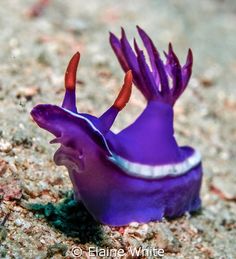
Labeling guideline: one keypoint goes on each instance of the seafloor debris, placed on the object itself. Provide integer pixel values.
(27, 92)
(56, 248)
(38, 8)
(10, 189)
(224, 188)
(3, 229)
(3, 167)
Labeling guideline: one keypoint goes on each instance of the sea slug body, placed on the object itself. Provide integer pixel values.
(139, 174)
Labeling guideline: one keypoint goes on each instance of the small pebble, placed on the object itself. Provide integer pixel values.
(3, 167)
(5, 146)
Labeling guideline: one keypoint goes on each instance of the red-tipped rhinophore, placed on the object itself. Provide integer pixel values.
(125, 92)
(70, 75)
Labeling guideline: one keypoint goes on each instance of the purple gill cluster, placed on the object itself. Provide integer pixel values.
(153, 81)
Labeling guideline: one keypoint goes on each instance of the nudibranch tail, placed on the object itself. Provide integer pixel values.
(69, 101)
(153, 81)
(108, 117)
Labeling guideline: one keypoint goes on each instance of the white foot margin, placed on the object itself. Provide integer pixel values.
(156, 171)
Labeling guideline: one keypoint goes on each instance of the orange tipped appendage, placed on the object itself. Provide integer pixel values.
(70, 75)
(125, 92)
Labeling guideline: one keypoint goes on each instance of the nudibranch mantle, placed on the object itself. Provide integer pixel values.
(139, 174)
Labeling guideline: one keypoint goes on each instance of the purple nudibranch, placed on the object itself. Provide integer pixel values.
(139, 174)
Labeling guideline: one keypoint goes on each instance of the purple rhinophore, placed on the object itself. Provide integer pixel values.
(139, 174)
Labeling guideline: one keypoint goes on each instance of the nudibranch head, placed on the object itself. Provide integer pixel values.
(139, 174)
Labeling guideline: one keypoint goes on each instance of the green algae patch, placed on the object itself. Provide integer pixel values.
(71, 218)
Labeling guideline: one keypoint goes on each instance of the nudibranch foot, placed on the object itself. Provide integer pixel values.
(141, 173)
(123, 199)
